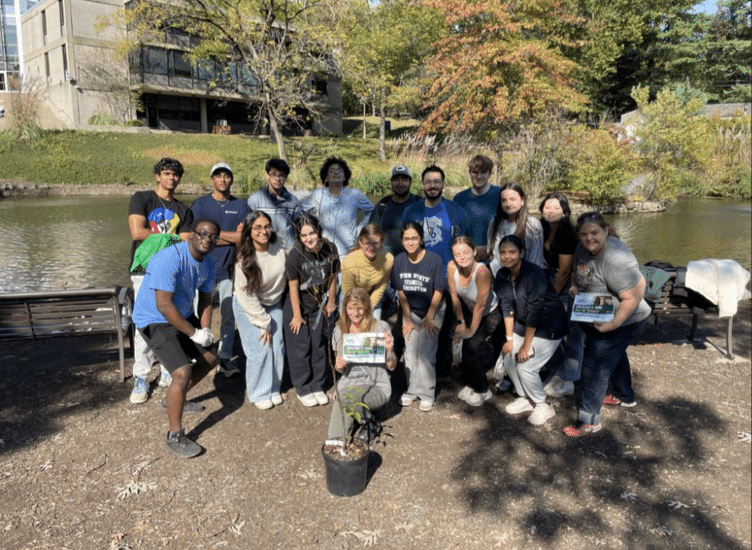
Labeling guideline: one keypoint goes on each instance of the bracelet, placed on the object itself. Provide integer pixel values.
(510, 337)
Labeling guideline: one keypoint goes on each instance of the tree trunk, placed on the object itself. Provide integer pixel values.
(364, 120)
(382, 125)
(276, 133)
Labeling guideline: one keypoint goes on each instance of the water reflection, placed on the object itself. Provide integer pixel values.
(78, 242)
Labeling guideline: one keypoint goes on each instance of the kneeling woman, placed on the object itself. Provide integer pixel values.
(257, 303)
(312, 268)
(366, 383)
(535, 323)
(604, 265)
(476, 308)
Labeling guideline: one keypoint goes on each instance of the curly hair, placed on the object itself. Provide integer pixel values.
(328, 163)
(167, 163)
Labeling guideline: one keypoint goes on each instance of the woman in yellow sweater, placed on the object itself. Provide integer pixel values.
(368, 267)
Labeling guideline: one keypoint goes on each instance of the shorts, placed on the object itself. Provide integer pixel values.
(173, 348)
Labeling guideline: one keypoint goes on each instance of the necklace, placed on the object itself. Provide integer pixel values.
(163, 203)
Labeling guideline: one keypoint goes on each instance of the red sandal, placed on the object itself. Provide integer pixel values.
(612, 400)
(580, 429)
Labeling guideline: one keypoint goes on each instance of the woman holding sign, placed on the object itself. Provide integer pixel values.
(535, 323)
(365, 381)
(605, 266)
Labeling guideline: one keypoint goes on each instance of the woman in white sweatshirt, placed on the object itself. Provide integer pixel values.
(260, 285)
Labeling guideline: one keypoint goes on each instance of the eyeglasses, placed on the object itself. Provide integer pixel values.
(213, 237)
(433, 182)
(261, 228)
(371, 244)
(277, 176)
(411, 239)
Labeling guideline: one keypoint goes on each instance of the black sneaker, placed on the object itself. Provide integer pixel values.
(189, 407)
(228, 367)
(181, 445)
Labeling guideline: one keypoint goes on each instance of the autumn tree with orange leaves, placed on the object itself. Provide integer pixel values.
(500, 65)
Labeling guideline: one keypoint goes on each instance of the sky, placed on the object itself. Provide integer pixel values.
(707, 6)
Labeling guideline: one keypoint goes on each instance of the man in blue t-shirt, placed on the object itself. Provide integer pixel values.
(229, 212)
(442, 221)
(441, 218)
(181, 340)
(479, 202)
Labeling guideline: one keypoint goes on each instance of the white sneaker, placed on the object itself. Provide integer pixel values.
(556, 387)
(277, 399)
(465, 393)
(477, 399)
(406, 400)
(308, 400)
(519, 405)
(426, 405)
(542, 412)
(165, 378)
(321, 397)
(264, 405)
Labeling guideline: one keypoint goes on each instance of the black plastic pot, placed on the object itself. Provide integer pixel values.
(345, 478)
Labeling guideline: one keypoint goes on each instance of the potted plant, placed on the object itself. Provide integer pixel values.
(346, 460)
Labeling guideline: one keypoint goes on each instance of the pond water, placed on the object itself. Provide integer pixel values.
(55, 243)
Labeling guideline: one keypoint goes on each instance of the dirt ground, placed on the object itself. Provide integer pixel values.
(82, 468)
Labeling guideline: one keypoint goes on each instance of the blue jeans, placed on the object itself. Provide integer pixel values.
(605, 359)
(264, 363)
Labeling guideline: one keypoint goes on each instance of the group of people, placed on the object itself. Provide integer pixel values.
(478, 274)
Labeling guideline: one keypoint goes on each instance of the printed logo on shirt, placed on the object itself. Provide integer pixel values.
(162, 220)
(432, 230)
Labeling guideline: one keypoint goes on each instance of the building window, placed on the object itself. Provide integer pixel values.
(181, 65)
(44, 25)
(62, 17)
(47, 65)
(155, 61)
(65, 62)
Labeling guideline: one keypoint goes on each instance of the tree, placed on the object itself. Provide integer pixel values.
(272, 50)
(673, 140)
(383, 49)
(500, 63)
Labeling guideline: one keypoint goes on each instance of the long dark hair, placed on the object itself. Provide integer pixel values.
(246, 252)
(307, 219)
(521, 226)
(565, 225)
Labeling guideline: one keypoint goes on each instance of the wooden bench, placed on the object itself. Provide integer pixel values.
(32, 315)
(669, 305)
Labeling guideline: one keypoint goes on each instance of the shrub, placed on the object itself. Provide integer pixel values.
(672, 138)
(600, 165)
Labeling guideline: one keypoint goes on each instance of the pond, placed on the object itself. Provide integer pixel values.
(55, 243)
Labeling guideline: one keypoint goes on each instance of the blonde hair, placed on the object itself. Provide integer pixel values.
(361, 297)
(370, 230)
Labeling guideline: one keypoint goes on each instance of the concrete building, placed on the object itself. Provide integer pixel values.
(11, 50)
(74, 57)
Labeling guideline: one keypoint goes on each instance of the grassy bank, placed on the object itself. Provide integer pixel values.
(107, 158)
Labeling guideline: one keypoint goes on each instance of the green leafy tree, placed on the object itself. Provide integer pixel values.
(383, 49)
(499, 64)
(673, 140)
(271, 50)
